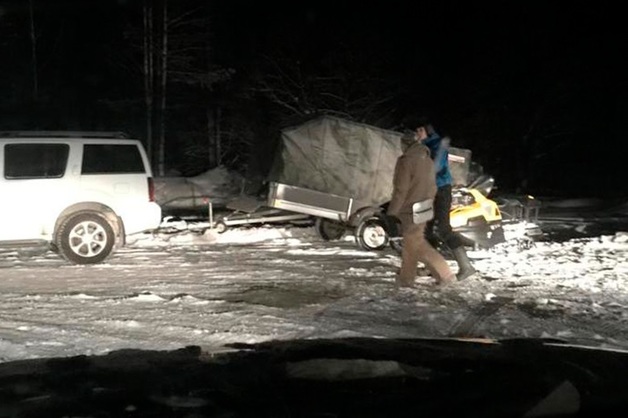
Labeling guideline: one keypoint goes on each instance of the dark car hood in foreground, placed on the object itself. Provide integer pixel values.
(355, 377)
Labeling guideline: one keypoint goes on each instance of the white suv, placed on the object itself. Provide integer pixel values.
(79, 192)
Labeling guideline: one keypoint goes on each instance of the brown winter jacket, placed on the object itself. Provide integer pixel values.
(414, 181)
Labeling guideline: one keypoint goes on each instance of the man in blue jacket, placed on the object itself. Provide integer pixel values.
(440, 226)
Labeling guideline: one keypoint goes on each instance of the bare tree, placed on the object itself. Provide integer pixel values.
(191, 64)
(161, 164)
(341, 87)
(175, 52)
(149, 87)
(33, 51)
(174, 43)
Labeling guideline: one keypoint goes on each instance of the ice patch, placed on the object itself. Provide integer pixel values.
(147, 297)
(83, 296)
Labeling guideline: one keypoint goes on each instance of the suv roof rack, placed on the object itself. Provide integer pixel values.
(63, 134)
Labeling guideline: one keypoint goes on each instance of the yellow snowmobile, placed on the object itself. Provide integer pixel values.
(473, 215)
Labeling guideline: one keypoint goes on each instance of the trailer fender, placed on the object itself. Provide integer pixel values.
(362, 215)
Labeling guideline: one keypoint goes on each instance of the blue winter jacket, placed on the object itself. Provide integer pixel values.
(440, 154)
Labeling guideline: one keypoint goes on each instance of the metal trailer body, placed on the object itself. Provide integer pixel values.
(332, 214)
(312, 202)
(247, 210)
(286, 203)
(260, 217)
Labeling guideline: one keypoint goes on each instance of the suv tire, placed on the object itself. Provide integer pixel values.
(85, 238)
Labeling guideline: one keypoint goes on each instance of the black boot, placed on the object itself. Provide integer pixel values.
(465, 269)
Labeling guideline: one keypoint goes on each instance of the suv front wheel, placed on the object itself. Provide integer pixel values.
(85, 238)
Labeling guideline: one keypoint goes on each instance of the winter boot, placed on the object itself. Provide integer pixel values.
(446, 281)
(403, 282)
(420, 271)
(465, 269)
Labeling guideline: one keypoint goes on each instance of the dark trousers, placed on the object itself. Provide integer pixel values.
(438, 230)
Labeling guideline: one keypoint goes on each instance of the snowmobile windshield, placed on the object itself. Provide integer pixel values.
(484, 184)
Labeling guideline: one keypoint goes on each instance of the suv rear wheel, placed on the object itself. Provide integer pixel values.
(85, 238)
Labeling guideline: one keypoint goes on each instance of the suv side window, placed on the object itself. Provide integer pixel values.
(35, 161)
(111, 159)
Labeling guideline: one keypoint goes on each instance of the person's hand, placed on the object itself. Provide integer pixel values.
(392, 225)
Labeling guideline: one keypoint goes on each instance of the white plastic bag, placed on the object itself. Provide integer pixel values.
(422, 211)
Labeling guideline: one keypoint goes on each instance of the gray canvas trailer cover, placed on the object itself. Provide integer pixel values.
(338, 157)
(341, 165)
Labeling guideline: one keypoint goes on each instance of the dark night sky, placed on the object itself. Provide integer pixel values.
(451, 60)
(441, 50)
(559, 55)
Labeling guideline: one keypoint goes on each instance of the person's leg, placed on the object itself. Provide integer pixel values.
(465, 268)
(452, 240)
(442, 221)
(430, 232)
(435, 262)
(419, 249)
(412, 237)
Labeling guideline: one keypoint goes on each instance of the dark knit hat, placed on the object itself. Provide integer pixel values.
(424, 122)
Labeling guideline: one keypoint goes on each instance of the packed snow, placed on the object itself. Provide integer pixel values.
(189, 285)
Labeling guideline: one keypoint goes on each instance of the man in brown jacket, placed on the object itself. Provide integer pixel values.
(414, 181)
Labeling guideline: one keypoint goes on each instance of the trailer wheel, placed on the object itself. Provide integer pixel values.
(371, 234)
(329, 230)
(220, 227)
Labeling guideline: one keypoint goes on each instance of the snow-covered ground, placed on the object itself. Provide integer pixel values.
(196, 287)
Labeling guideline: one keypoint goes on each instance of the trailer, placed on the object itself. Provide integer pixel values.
(333, 172)
(338, 175)
(332, 215)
